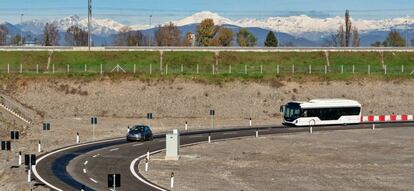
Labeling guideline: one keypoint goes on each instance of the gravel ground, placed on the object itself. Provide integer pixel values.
(382, 159)
(68, 105)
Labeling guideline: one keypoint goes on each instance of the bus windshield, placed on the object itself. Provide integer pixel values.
(292, 111)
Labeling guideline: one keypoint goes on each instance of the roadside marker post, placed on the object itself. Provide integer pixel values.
(186, 126)
(148, 153)
(29, 161)
(149, 117)
(250, 122)
(209, 137)
(20, 158)
(172, 180)
(6, 146)
(257, 132)
(14, 136)
(373, 126)
(311, 124)
(114, 181)
(39, 147)
(212, 114)
(94, 122)
(77, 138)
(146, 165)
(46, 128)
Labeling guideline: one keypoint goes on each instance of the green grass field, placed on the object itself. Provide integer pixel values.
(231, 64)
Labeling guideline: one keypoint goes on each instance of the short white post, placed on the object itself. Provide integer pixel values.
(128, 129)
(385, 69)
(182, 68)
(245, 69)
(101, 69)
(310, 68)
(150, 69)
(20, 158)
(21, 68)
(67, 68)
(402, 68)
(230, 69)
(277, 69)
(53, 68)
(172, 180)
(197, 69)
(85, 68)
(213, 69)
(342, 69)
(166, 68)
(39, 147)
(148, 155)
(326, 69)
(353, 68)
(186, 126)
(293, 68)
(261, 68)
(373, 126)
(209, 138)
(257, 132)
(29, 173)
(135, 68)
(310, 129)
(8, 68)
(250, 122)
(146, 165)
(37, 68)
(369, 69)
(77, 138)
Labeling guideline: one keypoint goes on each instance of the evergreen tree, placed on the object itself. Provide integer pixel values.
(245, 38)
(271, 40)
(394, 39)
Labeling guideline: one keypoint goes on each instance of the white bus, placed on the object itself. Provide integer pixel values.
(321, 112)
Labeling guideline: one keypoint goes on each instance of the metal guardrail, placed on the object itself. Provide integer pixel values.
(209, 49)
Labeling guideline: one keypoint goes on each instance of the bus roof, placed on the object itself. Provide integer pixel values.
(318, 103)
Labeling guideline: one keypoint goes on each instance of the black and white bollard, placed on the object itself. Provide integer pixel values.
(146, 165)
(373, 126)
(172, 180)
(128, 130)
(250, 122)
(209, 138)
(77, 138)
(257, 132)
(39, 147)
(186, 126)
(29, 175)
(20, 158)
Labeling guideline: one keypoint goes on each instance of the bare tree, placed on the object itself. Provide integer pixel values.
(76, 36)
(355, 37)
(189, 39)
(50, 35)
(3, 35)
(128, 37)
(224, 37)
(168, 35)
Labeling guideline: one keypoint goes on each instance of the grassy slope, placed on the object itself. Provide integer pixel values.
(255, 62)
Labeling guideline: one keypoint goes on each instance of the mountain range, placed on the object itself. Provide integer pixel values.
(298, 30)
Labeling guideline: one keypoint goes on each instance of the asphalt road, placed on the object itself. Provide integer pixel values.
(90, 164)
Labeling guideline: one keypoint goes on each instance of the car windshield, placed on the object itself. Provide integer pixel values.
(137, 129)
(292, 111)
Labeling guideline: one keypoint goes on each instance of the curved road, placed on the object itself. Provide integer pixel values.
(89, 164)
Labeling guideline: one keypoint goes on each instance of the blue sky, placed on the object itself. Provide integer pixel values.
(137, 11)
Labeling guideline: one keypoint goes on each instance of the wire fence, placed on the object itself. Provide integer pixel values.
(208, 69)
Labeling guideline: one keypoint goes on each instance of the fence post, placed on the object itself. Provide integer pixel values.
(230, 69)
(37, 68)
(166, 68)
(85, 68)
(353, 68)
(197, 69)
(245, 69)
(326, 69)
(310, 68)
(293, 68)
(342, 69)
(385, 69)
(150, 69)
(67, 66)
(213, 69)
(101, 69)
(8, 68)
(261, 68)
(21, 68)
(135, 68)
(182, 68)
(402, 68)
(53, 68)
(369, 69)
(277, 69)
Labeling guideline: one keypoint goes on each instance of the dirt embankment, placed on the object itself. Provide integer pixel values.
(69, 104)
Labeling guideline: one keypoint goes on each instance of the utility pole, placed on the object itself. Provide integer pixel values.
(21, 31)
(149, 35)
(89, 24)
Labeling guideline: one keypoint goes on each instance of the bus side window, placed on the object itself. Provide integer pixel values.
(305, 113)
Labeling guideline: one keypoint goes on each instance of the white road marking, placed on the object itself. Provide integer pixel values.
(85, 163)
(84, 170)
(115, 149)
(93, 180)
(137, 144)
(94, 156)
